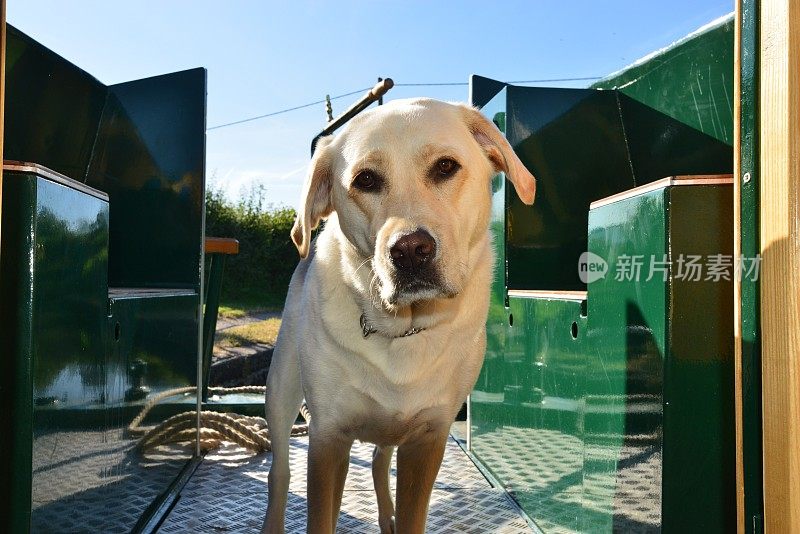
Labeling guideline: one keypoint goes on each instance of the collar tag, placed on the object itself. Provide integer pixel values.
(366, 329)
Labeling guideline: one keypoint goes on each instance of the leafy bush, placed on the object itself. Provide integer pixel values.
(259, 275)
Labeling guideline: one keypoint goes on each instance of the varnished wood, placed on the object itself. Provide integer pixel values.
(53, 176)
(222, 245)
(779, 129)
(737, 252)
(689, 179)
(546, 294)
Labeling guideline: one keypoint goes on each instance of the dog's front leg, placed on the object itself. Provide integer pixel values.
(418, 464)
(328, 461)
(381, 464)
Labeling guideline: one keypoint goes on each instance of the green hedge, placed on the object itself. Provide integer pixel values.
(259, 275)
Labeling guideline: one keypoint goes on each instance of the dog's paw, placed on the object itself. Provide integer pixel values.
(387, 525)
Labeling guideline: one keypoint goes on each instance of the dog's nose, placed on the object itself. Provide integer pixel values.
(413, 250)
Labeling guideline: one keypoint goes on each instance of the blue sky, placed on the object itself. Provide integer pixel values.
(264, 56)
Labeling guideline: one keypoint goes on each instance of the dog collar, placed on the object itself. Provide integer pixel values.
(367, 329)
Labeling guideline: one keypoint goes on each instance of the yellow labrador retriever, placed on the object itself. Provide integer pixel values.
(384, 327)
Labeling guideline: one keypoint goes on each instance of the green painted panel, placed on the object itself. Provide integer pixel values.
(16, 390)
(596, 434)
(659, 407)
(627, 338)
(555, 133)
(750, 311)
(157, 342)
(142, 142)
(151, 347)
(660, 145)
(583, 145)
(80, 367)
(529, 433)
(56, 309)
(525, 409)
(699, 438)
(691, 81)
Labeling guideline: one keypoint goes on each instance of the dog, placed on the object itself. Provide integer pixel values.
(383, 332)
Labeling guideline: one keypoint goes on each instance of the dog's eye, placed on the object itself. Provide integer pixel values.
(367, 181)
(445, 168)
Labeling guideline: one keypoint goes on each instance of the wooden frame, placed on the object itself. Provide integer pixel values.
(779, 186)
(686, 179)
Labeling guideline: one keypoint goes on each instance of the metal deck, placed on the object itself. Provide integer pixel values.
(228, 493)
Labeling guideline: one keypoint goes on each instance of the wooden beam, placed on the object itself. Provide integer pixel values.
(780, 268)
(221, 245)
(737, 252)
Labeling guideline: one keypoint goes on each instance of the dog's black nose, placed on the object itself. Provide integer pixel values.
(413, 250)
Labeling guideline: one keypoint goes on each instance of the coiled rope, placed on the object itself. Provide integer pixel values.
(246, 431)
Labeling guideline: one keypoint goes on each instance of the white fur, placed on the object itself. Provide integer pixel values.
(393, 391)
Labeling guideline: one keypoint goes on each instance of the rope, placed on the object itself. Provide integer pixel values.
(248, 432)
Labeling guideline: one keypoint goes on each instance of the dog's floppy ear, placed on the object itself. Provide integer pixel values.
(315, 202)
(500, 153)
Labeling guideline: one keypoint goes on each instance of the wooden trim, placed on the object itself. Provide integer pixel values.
(542, 294)
(222, 245)
(779, 186)
(693, 179)
(53, 176)
(737, 252)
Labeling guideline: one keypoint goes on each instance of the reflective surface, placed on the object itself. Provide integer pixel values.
(526, 406)
(615, 413)
(142, 142)
(52, 108)
(527, 410)
(627, 329)
(150, 159)
(82, 367)
(81, 360)
(662, 361)
(583, 145)
(691, 81)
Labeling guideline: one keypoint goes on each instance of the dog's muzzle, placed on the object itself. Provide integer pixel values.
(413, 253)
(415, 275)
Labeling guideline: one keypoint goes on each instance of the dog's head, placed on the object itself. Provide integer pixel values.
(410, 183)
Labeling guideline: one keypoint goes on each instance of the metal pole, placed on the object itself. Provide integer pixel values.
(372, 96)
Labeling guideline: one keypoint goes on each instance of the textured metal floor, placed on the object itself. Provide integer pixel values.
(228, 493)
(544, 470)
(95, 481)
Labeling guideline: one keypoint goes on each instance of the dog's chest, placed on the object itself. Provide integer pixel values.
(385, 427)
(372, 407)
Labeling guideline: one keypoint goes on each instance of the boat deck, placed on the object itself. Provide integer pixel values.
(228, 493)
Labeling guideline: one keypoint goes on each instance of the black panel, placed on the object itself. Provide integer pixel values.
(661, 146)
(483, 89)
(150, 159)
(52, 108)
(573, 142)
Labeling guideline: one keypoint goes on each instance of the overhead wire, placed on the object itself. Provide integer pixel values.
(272, 114)
(357, 91)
